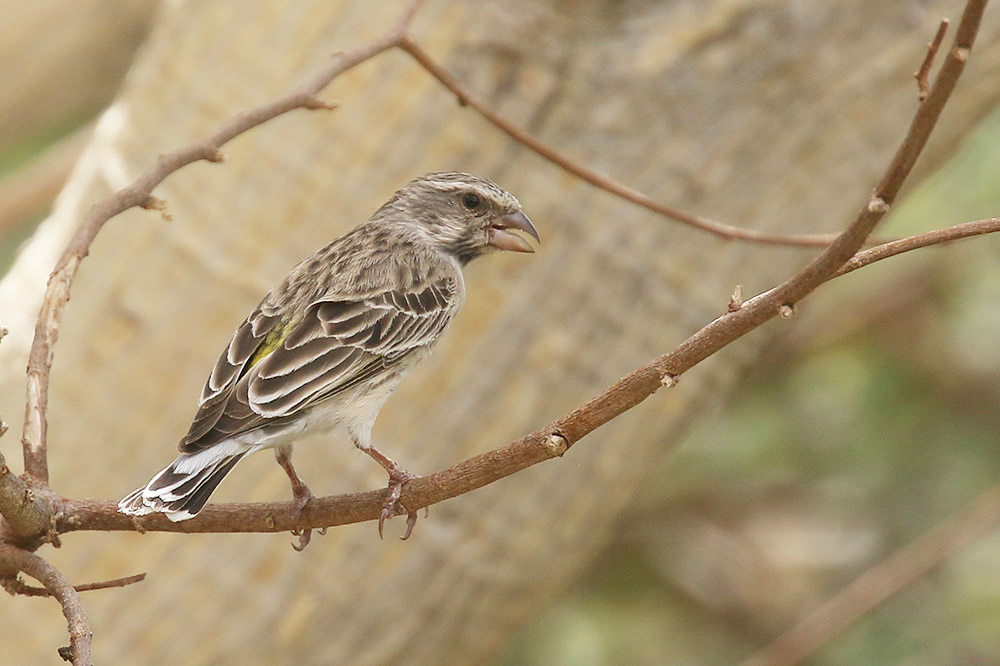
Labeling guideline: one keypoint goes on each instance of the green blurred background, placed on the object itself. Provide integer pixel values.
(872, 419)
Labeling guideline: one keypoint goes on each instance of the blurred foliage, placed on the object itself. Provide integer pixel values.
(871, 419)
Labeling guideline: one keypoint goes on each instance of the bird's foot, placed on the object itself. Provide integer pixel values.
(302, 499)
(300, 494)
(398, 478)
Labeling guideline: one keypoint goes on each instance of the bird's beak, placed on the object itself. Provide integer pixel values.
(503, 239)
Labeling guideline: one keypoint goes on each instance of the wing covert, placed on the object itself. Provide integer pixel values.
(336, 345)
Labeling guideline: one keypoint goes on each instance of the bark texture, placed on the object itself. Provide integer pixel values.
(774, 114)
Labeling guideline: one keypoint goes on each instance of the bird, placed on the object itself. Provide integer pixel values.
(326, 347)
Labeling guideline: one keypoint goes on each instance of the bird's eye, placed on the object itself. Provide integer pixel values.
(471, 201)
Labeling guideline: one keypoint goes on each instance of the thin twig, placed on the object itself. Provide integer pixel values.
(138, 193)
(60, 588)
(882, 582)
(18, 587)
(465, 98)
(936, 237)
(922, 75)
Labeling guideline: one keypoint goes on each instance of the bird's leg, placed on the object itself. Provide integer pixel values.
(300, 492)
(398, 477)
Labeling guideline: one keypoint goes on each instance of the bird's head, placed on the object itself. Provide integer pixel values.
(463, 215)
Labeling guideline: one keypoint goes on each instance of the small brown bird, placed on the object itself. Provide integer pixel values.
(336, 337)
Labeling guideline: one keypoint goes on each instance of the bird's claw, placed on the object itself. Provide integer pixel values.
(303, 496)
(397, 479)
(304, 537)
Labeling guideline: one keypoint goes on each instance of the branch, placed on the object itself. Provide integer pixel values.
(882, 582)
(548, 442)
(139, 193)
(555, 439)
(15, 586)
(936, 237)
(597, 180)
(25, 514)
(922, 75)
(57, 585)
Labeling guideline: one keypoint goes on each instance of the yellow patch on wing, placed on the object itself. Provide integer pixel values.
(271, 342)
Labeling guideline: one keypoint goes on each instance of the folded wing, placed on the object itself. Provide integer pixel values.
(274, 368)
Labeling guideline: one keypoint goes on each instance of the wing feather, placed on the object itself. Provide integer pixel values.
(338, 344)
(232, 364)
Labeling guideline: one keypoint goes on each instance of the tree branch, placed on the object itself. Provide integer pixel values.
(29, 513)
(139, 193)
(554, 439)
(57, 585)
(922, 75)
(15, 586)
(24, 514)
(936, 237)
(543, 444)
(465, 98)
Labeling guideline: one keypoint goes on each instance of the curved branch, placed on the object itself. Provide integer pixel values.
(555, 439)
(57, 585)
(139, 193)
(597, 180)
(936, 237)
(473, 473)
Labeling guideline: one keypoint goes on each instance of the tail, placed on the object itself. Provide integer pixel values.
(181, 489)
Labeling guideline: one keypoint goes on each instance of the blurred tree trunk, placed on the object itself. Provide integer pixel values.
(774, 115)
(63, 60)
